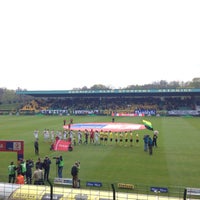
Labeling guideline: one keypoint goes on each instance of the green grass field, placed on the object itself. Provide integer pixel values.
(174, 163)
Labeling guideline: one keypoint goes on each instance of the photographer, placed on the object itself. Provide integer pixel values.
(60, 164)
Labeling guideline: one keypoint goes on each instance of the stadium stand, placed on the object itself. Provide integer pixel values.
(105, 103)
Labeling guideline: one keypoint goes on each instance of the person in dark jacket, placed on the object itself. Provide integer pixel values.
(150, 145)
(74, 172)
(29, 166)
(46, 166)
(39, 164)
(36, 146)
(146, 139)
(155, 136)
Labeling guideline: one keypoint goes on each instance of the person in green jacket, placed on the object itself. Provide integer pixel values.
(60, 164)
(11, 172)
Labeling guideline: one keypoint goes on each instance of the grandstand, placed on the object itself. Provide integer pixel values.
(106, 102)
(34, 106)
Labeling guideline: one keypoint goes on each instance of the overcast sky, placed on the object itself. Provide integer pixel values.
(61, 45)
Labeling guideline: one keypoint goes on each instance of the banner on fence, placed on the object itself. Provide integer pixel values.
(159, 189)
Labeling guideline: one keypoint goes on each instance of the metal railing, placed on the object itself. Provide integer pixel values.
(105, 192)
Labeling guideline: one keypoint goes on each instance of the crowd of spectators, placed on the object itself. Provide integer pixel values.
(108, 105)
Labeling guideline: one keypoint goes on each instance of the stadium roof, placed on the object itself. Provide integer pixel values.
(111, 93)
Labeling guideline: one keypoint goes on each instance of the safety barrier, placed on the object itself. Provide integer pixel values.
(94, 192)
(191, 193)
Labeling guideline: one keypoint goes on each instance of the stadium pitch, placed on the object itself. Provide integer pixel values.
(175, 162)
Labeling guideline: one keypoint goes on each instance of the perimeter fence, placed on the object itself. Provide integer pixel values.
(89, 190)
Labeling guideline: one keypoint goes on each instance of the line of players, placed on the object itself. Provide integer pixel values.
(90, 137)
